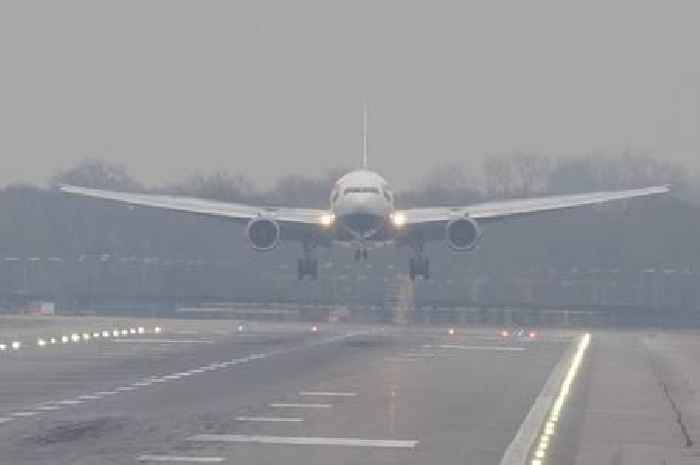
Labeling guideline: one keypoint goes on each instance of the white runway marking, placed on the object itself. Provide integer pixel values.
(175, 458)
(172, 377)
(5, 420)
(48, 408)
(90, 397)
(304, 441)
(519, 448)
(126, 388)
(298, 405)
(270, 419)
(400, 360)
(143, 383)
(70, 402)
(106, 393)
(495, 348)
(164, 341)
(328, 394)
(24, 414)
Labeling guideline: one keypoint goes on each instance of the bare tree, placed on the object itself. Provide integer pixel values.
(101, 174)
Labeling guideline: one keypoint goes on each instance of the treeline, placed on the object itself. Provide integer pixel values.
(656, 232)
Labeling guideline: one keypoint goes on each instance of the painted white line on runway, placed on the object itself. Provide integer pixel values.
(164, 341)
(494, 348)
(48, 408)
(518, 450)
(270, 419)
(175, 458)
(328, 394)
(89, 397)
(126, 388)
(197, 371)
(172, 377)
(106, 393)
(69, 402)
(5, 420)
(184, 373)
(304, 441)
(298, 405)
(400, 360)
(142, 384)
(24, 414)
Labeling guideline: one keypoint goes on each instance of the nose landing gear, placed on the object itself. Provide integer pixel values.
(360, 254)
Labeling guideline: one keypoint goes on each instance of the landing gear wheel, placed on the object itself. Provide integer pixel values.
(307, 266)
(419, 266)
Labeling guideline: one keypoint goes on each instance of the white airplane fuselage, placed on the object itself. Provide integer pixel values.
(362, 204)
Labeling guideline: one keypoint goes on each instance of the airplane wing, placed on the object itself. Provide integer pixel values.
(500, 210)
(294, 218)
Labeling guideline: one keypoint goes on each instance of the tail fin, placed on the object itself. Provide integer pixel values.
(364, 135)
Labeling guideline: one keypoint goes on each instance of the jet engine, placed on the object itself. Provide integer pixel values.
(263, 234)
(463, 234)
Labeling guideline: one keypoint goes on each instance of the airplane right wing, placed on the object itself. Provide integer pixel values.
(294, 222)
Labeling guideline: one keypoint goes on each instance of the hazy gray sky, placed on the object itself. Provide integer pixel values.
(172, 88)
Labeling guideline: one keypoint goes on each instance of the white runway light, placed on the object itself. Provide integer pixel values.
(157, 330)
(16, 345)
(539, 454)
(41, 342)
(3, 347)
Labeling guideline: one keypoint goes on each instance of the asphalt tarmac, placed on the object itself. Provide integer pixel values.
(211, 392)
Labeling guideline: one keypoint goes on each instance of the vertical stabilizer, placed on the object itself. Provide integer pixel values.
(364, 135)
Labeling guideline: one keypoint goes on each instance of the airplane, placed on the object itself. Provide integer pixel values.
(362, 215)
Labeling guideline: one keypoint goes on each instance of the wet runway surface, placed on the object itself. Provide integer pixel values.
(275, 395)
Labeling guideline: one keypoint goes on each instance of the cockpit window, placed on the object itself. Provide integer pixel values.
(359, 190)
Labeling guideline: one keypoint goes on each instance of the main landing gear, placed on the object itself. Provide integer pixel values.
(307, 266)
(419, 265)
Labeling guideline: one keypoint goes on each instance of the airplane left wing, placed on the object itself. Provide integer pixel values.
(232, 211)
(501, 210)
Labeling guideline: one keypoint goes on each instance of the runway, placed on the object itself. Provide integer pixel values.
(284, 394)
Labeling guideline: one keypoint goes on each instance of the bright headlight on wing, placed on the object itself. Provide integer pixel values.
(398, 219)
(327, 220)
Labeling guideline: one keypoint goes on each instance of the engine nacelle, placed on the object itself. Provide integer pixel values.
(263, 234)
(462, 234)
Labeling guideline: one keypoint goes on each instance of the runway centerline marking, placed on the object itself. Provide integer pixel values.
(89, 397)
(69, 402)
(164, 341)
(304, 441)
(328, 394)
(48, 408)
(270, 419)
(495, 348)
(175, 458)
(5, 420)
(106, 393)
(298, 405)
(25, 414)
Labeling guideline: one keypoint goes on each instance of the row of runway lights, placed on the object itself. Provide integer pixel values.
(80, 337)
(540, 452)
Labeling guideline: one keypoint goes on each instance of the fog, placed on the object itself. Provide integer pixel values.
(266, 89)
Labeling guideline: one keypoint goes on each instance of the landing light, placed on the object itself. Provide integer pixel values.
(451, 331)
(532, 334)
(398, 219)
(41, 342)
(505, 333)
(327, 220)
(314, 329)
(16, 345)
